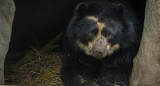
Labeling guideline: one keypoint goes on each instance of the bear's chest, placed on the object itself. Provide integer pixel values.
(88, 65)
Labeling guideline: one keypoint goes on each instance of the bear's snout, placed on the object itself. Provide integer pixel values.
(99, 49)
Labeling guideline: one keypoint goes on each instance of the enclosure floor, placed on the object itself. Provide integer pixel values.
(43, 71)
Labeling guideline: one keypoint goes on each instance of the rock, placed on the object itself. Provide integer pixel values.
(7, 9)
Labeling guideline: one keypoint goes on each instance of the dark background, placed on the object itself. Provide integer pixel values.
(37, 21)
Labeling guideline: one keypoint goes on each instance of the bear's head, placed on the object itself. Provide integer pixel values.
(97, 28)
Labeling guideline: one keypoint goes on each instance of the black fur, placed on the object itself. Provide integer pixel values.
(113, 69)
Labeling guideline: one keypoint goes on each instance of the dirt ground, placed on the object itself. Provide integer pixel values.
(42, 71)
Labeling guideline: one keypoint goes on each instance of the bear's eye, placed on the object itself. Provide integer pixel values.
(108, 34)
(91, 34)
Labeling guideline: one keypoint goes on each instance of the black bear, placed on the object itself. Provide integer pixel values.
(101, 41)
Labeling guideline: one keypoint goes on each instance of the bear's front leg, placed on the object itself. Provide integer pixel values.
(73, 78)
(114, 76)
(74, 74)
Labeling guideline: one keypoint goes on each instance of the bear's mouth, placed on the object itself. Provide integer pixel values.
(107, 52)
(101, 55)
(98, 55)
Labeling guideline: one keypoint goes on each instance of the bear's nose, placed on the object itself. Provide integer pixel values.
(98, 51)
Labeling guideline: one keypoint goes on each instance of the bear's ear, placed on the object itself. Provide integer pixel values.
(81, 8)
(119, 10)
